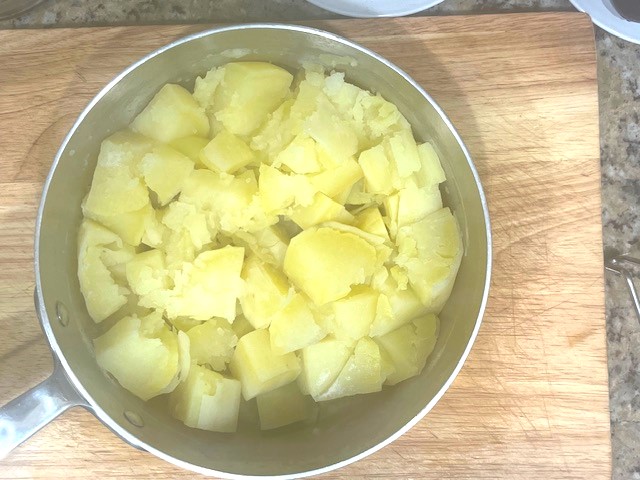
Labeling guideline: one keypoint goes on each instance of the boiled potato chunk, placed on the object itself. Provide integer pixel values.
(184, 359)
(269, 244)
(228, 200)
(332, 134)
(92, 234)
(141, 353)
(403, 151)
(299, 156)
(372, 239)
(415, 203)
(116, 187)
(181, 217)
(361, 374)
(279, 190)
(272, 243)
(409, 346)
(165, 170)
(132, 227)
(191, 147)
(249, 91)
(207, 400)
(370, 220)
(431, 250)
(102, 295)
(154, 230)
(378, 116)
(307, 97)
(354, 314)
(116, 260)
(259, 368)
(322, 209)
(395, 307)
(358, 196)
(226, 153)
(283, 406)
(294, 326)
(265, 292)
(179, 249)
(212, 343)
(171, 114)
(342, 94)
(431, 172)
(146, 272)
(209, 287)
(324, 263)
(376, 169)
(337, 182)
(322, 362)
(205, 87)
(277, 132)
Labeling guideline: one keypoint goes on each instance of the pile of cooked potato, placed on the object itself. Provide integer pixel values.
(267, 236)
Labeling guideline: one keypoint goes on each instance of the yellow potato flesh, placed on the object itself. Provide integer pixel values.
(324, 263)
(209, 287)
(165, 170)
(146, 272)
(259, 368)
(354, 314)
(294, 326)
(409, 346)
(207, 400)
(226, 153)
(361, 374)
(248, 92)
(103, 295)
(212, 343)
(300, 156)
(322, 362)
(171, 114)
(267, 237)
(147, 345)
(130, 226)
(322, 209)
(265, 292)
(430, 251)
(117, 187)
(191, 147)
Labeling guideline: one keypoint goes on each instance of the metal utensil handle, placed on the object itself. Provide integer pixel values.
(28, 413)
(615, 265)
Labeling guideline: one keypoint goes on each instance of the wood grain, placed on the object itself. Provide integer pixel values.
(532, 399)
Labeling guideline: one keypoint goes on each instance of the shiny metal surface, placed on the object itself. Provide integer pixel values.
(346, 429)
(615, 262)
(25, 415)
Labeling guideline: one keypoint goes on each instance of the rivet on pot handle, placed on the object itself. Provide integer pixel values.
(28, 413)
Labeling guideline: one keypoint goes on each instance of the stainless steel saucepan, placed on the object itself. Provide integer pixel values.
(346, 429)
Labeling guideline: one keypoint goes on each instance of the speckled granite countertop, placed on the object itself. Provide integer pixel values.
(619, 74)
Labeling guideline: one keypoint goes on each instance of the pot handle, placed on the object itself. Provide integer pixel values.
(28, 413)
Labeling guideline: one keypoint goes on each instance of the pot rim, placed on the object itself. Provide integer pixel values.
(46, 325)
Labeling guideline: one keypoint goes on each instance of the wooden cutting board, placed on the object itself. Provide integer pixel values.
(532, 398)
